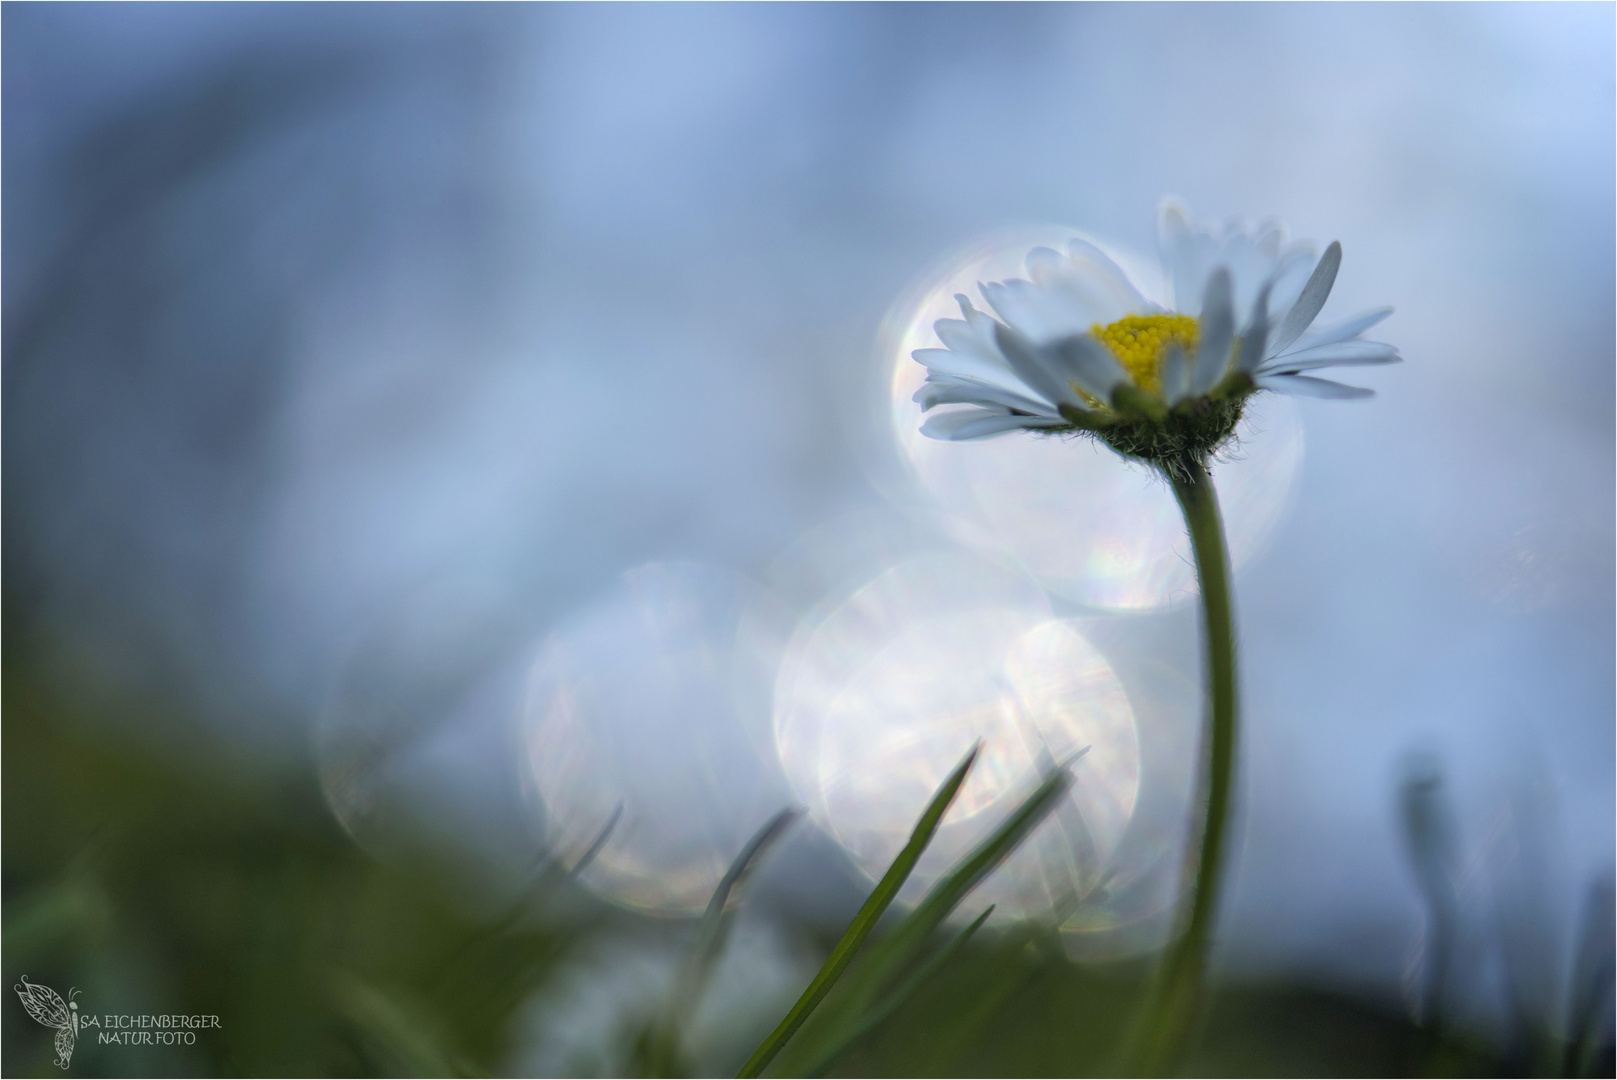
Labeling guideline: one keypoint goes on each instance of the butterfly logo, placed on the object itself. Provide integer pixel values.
(47, 1006)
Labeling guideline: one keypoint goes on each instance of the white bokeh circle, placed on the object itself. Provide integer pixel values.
(1089, 526)
(656, 700)
(878, 700)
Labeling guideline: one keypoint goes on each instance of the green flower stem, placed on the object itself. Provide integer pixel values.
(1172, 1010)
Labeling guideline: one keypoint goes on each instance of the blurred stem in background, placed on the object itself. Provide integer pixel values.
(1539, 1042)
(1172, 1004)
(1429, 837)
(1592, 978)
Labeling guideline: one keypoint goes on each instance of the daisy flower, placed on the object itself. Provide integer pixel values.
(1076, 346)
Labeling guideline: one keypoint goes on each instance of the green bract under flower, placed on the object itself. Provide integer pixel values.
(1076, 346)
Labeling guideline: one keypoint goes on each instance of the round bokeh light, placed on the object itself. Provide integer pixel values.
(653, 706)
(878, 700)
(1089, 526)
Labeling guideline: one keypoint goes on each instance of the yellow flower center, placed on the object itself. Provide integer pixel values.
(1141, 341)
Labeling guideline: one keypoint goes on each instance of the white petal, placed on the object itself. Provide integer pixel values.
(1338, 354)
(1072, 303)
(1247, 266)
(1043, 258)
(990, 426)
(971, 352)
(1175, 375)
(1185, 254)
(982, 325)
(956, 335)
(1173, 222)
(1034, 366)
(1256, 335)
(966, 424)
(975, 335)
(943, 425)
(1217, 333)
(1291, 275)
(1085, 361)
(1107, 281)
(1312, 299)
(953, 391)
(1268, 238)
(970, 366)
(1308, 386)
(1029, 310)
(1343, 331)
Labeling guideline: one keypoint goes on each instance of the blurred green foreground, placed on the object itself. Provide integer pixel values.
(162, 874)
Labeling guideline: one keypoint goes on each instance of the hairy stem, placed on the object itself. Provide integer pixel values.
(1171, 1010)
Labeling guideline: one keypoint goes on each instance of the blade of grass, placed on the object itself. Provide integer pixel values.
(543, 879)
(864, 922)
(877, 972)
(898, 947)
(547, 875)
(596, 845)
(899, 997)
(686, 993)
(720, 914)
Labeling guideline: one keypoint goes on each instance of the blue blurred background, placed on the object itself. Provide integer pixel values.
(352, 351)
